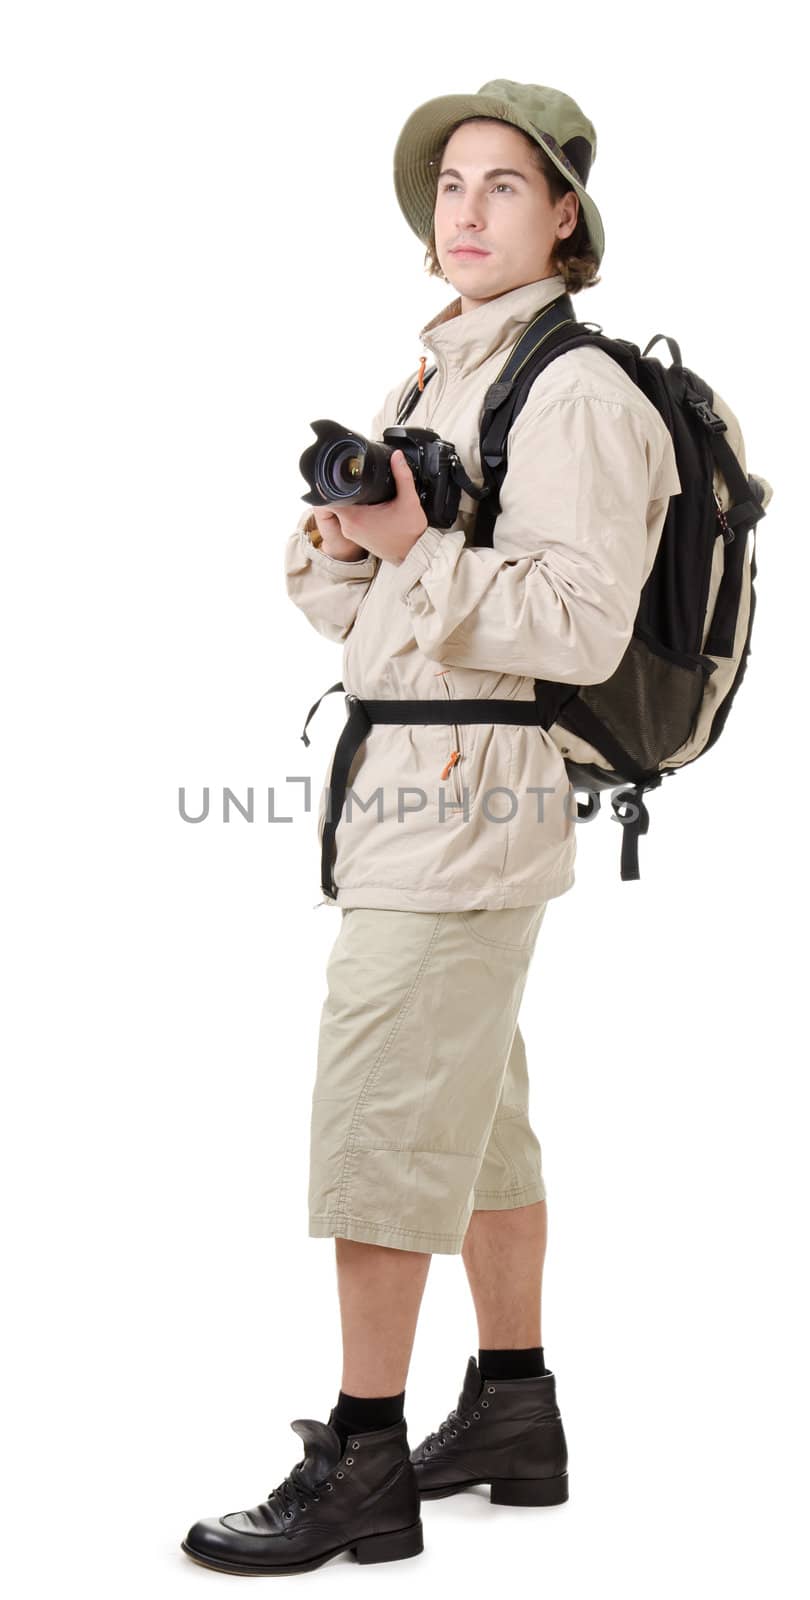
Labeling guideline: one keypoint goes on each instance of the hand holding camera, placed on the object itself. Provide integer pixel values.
(390, 528)
(384, 495)
(333, 541)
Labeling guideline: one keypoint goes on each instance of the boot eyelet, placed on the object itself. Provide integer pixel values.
(485, 1402)
(316, 1497)
(476, 1413)
(288, 1514)
(330, 1486)
(454, 1434)
(355, 1444)
(491, 1389)
(466, 1424)
(338, 1474)
(428, 1448)
(350, 1461)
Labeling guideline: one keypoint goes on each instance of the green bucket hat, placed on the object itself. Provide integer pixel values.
(549, 117)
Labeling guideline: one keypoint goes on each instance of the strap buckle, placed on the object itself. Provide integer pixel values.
(703, 410)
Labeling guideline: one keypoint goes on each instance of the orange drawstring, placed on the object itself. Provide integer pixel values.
(421, 378)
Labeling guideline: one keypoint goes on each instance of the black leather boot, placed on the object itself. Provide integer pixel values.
(364, 1500)
(504, 1432)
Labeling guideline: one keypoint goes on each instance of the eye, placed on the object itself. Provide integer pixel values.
(448, 186)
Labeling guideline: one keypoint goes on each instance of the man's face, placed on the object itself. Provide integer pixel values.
(510, 217)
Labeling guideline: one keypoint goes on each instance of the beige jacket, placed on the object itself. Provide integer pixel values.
(591, 468)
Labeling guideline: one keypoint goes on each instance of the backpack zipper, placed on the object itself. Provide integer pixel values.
(727, 532)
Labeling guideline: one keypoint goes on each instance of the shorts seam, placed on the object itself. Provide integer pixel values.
(421, 1150)
(383, 1227)
(524, 1188)
(510, 1166)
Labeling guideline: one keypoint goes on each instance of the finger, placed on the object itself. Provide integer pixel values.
(402, 473)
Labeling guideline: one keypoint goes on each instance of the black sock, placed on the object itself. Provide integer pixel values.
(362, 1414)
(525, 1363)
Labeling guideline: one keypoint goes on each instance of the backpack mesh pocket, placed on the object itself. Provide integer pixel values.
(651, 703)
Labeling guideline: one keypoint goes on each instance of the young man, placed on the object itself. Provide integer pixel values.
(421, 1140)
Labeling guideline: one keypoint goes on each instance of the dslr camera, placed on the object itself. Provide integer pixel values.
(344, 468)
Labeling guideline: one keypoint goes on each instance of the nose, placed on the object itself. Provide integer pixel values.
(466, 211)
(468, 215)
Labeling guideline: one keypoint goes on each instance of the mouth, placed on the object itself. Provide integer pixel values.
(468, 250)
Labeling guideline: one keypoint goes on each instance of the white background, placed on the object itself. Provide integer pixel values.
(203, 251)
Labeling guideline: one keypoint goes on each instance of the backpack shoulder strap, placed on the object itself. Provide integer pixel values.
(559, 313)
(554, 330)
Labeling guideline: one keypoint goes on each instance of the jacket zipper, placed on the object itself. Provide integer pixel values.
(455, 755)
(450, 770)
(438, 386)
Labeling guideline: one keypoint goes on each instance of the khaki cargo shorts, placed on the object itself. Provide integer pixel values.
(420, 1107)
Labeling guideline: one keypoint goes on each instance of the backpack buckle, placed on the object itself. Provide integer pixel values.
(703, 410)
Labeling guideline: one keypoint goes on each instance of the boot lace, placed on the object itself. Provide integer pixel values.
(459, 1416)
(290, 1492)
(287, 1493)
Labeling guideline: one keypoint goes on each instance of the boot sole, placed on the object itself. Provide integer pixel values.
(509, 1491)
(394, 1546)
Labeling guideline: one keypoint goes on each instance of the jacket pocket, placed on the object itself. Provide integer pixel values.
(456, 780)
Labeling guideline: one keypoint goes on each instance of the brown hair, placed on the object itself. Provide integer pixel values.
(574, 257)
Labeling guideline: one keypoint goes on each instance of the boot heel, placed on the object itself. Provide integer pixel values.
(391, 1546)
(529, 1491)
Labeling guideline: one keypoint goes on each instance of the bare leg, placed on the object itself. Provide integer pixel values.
(503, 1254)
(380, 1292)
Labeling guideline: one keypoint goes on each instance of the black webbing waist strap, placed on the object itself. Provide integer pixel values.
(362, 714)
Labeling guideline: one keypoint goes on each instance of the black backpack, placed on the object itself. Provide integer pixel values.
(668, 700)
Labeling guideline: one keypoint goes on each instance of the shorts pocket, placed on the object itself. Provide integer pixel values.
(516, 928)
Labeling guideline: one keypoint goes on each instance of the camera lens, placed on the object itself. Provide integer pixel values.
(345, 466)
(341, 468)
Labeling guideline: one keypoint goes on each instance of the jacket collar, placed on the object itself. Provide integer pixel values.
(463, 340)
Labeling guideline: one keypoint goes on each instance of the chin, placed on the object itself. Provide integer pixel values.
(465, 279)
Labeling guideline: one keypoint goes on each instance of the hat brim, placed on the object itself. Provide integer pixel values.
(424, 134)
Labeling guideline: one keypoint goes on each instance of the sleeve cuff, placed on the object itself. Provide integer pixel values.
(364, 568)
(412, 569)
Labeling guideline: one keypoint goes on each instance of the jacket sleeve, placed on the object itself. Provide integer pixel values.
(329, 592)
(583, 504)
